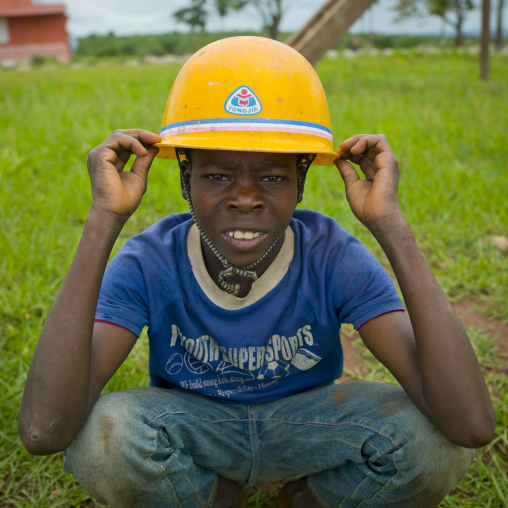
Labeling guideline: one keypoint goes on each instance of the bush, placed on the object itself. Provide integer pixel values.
(141, 45)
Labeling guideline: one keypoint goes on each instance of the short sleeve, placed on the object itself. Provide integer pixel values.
(364, 290)
(123, 298)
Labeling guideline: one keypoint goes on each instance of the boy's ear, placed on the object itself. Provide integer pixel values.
(186, 174)
(302, 174)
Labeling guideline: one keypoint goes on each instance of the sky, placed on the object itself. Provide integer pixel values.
(128, 17)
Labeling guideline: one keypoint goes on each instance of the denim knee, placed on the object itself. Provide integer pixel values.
(428, 465)
(106, 447)
(403, 460)
(120, 457)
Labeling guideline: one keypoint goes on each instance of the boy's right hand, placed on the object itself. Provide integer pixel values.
(116, 192)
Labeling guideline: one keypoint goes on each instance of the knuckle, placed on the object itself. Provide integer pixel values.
(117, 134)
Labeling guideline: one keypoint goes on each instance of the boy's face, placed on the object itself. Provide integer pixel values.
(243, 200)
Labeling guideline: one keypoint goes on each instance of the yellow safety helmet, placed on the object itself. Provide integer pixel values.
(249, 94)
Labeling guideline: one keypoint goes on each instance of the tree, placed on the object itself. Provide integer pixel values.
(452, 12)
(194, 16)
(499, 28)
(484, 54)
(270, 11)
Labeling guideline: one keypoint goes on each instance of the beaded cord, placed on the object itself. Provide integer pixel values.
(230, 270)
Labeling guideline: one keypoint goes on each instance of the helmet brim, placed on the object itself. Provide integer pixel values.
(247, 142)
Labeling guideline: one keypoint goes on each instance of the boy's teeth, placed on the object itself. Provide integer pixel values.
(240, 235)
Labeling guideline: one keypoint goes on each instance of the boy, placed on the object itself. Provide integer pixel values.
(243, 303)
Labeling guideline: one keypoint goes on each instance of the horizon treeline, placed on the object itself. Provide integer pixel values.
(176, 43)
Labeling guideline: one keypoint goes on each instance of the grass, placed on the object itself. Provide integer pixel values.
(447, 129)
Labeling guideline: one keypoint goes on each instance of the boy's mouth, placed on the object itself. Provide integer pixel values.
(245, 240)
(243, 235)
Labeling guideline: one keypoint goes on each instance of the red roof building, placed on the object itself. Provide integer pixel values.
(28, 30)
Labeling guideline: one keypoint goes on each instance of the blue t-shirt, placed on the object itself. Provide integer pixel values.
(284, 343)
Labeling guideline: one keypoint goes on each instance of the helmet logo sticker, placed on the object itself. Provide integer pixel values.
(243, 101)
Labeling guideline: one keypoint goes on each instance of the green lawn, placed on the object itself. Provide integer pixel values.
(447, 129)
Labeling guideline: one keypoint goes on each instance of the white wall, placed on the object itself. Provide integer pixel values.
(4, 31)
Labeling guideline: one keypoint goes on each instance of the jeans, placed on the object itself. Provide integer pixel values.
(358, 444)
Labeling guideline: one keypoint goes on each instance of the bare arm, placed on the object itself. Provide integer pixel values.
(429, 353)
(72, 363)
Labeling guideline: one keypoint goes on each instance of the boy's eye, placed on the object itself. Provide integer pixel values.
(217, 178)
(272, 178)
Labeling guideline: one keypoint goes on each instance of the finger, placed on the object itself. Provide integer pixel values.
(367, 168)
(147, 138)
(122, 158)
(369, 173)
(357, 146)
(346, 145)
(363, 160)
(347, 172)
(357, 159)
(142, 165)
(372, 145)
(131, 140)
(121, 145)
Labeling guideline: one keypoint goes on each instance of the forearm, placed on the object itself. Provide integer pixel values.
(56, 399)
(453, 391)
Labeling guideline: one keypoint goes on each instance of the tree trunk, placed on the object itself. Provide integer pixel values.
(271, 14)
(485, 57)
(499, 31)
(459, 39)
(273, 28)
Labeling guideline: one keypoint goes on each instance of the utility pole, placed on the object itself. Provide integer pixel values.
(485, 56)
(325, 29)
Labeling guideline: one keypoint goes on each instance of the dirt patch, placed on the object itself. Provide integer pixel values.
(468, 312)
(351, 362)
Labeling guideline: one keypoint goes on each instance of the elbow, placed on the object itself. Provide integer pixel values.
(45, 432)
(39, 442)
(475, 436)
(38, 449)
(472, 441)
(483, 438)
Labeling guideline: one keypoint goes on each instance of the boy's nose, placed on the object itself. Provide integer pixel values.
(245, 197)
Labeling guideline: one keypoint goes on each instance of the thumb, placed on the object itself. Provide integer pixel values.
(142, 163)
(347, 172)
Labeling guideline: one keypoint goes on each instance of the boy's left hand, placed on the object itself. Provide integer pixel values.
(375, 199)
